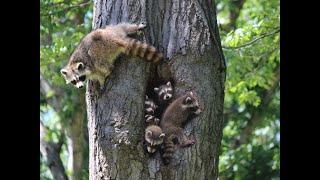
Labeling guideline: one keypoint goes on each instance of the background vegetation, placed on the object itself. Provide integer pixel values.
(249, 31)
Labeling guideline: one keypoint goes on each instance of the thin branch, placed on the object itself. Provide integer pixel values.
(253, 41)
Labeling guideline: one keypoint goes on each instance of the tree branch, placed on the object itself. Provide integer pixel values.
(49, 151)
(252, 41)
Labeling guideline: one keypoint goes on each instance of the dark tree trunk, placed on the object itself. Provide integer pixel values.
(186, 32)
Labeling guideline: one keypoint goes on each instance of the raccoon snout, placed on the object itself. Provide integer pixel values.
(198, 110)
(79, 85)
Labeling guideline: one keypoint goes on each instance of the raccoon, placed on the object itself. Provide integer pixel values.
(95, 55)
(174, 118)
(154, 138)
(150, 106)
(164, 93)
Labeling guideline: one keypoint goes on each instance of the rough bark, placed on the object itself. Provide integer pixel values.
(186, 32)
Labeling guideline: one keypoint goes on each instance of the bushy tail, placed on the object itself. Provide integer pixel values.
(143, 50)
(169, 149)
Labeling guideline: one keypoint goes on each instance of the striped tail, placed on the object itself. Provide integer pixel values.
(143, 50)
(169, 149)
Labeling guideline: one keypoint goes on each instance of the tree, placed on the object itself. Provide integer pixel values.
(187, 33)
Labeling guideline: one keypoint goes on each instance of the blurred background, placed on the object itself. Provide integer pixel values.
(250, 37)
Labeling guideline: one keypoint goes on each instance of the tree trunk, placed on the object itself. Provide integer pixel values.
(186, 32)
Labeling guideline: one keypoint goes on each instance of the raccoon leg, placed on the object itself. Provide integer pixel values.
(183, 140)
(186, 142)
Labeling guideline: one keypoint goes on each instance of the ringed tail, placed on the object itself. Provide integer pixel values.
(143, 50)
(169, 149)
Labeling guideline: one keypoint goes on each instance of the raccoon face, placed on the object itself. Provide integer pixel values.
(154, 137)
(164, 92)
(191, 103)
(75, 74)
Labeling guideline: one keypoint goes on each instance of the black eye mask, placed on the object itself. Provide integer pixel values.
(82, 78)
(74, 82)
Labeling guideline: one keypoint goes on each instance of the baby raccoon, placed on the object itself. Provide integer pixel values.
(95, 55)
(172, 121)
(150, 109)
(164, 93)
(154, 137)
(150, 106)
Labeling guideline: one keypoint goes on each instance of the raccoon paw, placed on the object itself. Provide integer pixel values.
(189, 143)
(142, 25)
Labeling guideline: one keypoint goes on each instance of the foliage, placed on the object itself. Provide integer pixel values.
(252, 54)
(62, 24)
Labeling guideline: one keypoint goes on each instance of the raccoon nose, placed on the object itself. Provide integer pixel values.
(166, 97)
(80, 86)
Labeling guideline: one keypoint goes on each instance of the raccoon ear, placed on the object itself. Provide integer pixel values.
(80, 66)
(188, 100)
(63, 72)
(156, 89)
(162, 135)
(168, 83)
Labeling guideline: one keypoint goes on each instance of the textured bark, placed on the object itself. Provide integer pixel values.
(186, 32)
